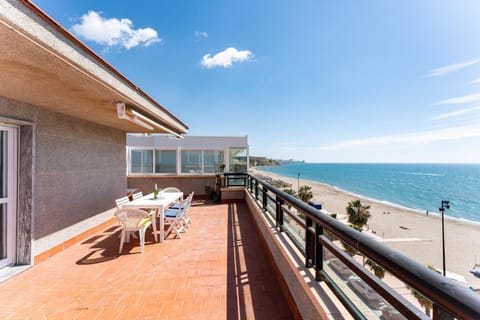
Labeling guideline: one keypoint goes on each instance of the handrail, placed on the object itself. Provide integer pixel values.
(385, 291)
(235, 176)
(446, 295)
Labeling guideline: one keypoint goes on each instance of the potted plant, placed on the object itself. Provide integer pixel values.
(221, 168)
(217, 193)
(209, 191)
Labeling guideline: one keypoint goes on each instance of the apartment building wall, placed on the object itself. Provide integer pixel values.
(70, 172)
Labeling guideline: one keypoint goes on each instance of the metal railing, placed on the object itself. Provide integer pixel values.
(312, 232)
(235, 179)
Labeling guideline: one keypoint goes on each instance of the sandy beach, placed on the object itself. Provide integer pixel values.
(413, 233)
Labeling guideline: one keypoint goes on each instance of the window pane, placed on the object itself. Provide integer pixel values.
(191, 161)
(165, 161)
(212, 160)
(3, 231)
(3, 164)
(142, 161)
(238, 160)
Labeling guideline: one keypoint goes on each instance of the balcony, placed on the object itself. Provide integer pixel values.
(250, 258)
(219, 270)
(320, 241)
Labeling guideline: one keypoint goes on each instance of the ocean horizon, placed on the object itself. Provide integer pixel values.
(419, 187)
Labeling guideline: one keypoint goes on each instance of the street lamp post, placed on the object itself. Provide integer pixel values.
(445, 205)
(298, 183)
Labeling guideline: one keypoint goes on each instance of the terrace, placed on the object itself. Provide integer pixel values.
(64, 115)
(244, 259)
(219, 270)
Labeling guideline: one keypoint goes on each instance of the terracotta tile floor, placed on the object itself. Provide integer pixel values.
(217, 271)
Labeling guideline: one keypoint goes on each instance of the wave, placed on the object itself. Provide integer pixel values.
(422, 174)
(361, 196)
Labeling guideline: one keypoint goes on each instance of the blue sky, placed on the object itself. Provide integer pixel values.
(321, 81)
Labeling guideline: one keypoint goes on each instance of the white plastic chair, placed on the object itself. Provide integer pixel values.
(174, 217)
(189, 203)
(133, 220)
(120, 202)
(171, 189)
(186, 217)
(137, 195)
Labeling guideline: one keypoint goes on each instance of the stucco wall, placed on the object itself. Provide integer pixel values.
(78, 167)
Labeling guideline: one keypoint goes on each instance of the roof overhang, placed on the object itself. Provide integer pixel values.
(43, 64)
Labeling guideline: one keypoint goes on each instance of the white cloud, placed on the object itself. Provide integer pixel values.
(113, 32)
(475, 97)
(456, 113)
(407, 140)
(201, 35)
(475, 81)
(226, 58)
(451, 68)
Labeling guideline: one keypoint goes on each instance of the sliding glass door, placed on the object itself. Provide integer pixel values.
(8, 194)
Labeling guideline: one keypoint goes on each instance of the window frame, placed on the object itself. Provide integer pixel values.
(154, 161)
(230, 162)
(215, 168)
(129, 164)
(178, 164)
(181, 161)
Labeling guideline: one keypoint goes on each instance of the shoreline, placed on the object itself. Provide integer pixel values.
(409, 231)
(369, 199)
(385, 202)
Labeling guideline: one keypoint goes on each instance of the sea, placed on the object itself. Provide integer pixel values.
(420, 187)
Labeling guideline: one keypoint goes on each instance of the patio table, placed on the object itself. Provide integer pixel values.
(158, 206)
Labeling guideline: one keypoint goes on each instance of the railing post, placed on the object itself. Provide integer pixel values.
(256, 189)
(279, 213)
(318, 252)
(264, 198)
(440, 314)
(309, 242)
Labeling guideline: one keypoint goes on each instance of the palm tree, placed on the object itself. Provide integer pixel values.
(349, 249)
(423, 301)
(358, 214)
(305, 193)
(377, 269)
(291, 192)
